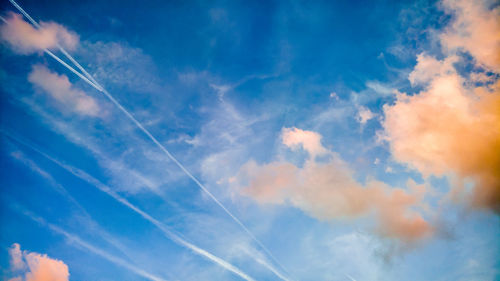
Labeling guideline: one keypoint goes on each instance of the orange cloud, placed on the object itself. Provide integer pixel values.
(452, 127)
(23, 38)
(37, 267)
(328, 190)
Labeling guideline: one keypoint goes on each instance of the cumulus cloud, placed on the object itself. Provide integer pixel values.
(449, 128)
(25, 39)
(328, 190)
(452, 127)
(475, 29)
(60, 89)
(36, 267)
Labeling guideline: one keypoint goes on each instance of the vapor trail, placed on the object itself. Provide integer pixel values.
(74, 238)
(96, 85)
(106, 189)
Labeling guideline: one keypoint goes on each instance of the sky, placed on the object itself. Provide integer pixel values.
(250, 140)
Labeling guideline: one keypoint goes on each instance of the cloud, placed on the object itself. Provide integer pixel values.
(449, 128)
(16, 257)
(328, 190)
(364, 115)
(59, 88)
(428, 68)
(36, 267)
(24, 39)
(308, 140)
(475, 29)
(452, 127)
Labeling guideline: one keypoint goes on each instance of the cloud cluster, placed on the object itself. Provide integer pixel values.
(36, 267)
(452, 127)
(23, 38)
(328, 190)
(60, 89)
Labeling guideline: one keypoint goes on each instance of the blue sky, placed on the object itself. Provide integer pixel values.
(314, 140)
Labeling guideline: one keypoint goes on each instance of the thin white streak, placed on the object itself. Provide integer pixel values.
(97, 87)
(350, 277)
(158, 144)
(167, 232)
(93, 249)
(62, 190)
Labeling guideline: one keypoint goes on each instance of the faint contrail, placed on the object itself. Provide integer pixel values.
(96, 85)
(73, 238)
(350, 277)
(106, 189)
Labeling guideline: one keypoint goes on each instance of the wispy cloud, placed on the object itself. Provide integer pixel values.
(168, 233)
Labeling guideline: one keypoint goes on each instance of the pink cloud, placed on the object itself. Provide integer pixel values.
(328, 191)
(23, 38)
(36, 267)
(61, 90)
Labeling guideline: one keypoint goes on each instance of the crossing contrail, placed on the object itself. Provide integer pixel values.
(100, 88)
(75, 239)
(163, 228)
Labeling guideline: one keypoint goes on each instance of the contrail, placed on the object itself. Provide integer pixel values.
(167, 232)
(96, 85)
(73, 238)
(350, 277)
